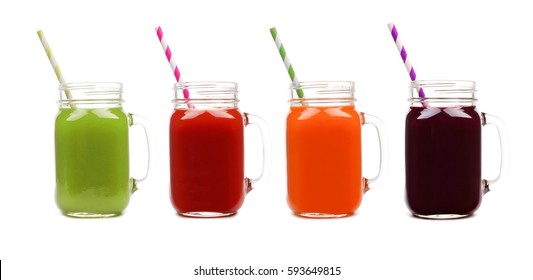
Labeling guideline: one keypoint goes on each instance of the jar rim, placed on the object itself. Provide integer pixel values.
(322, 83)
(205, 84)
(85, 85)
(90, 92)
(206, 92)
(442, 83)
(443, 92)
(322, 92)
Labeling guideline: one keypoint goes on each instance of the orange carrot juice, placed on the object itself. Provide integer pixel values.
(324, 160)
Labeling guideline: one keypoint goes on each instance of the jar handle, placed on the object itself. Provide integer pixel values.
(250, 119)
(489, 119)
(382, 138)
(144, 124)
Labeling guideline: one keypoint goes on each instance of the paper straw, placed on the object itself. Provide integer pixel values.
(53, 62)
(405, 58)
(286, 60)
(170, 59)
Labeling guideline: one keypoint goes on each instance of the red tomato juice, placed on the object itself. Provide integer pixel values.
(207, 160)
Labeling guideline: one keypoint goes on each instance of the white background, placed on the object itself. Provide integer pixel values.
(230, 40)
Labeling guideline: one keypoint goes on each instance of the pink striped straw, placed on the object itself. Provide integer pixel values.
(405, 58)
(170, 59)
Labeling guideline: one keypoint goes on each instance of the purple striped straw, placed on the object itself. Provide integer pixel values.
(405, 58)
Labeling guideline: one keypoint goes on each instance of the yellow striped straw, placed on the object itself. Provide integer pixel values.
(53, 62)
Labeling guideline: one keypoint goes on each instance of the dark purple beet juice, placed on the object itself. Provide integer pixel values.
(443, 161)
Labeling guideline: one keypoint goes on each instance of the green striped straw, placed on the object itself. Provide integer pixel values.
(286, 60)
(53, 62)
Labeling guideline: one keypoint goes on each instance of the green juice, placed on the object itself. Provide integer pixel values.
(92, 161)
